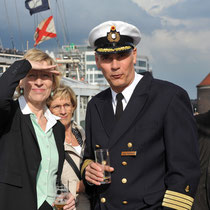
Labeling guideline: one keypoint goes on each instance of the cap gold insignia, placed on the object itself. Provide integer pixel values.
(113, 35)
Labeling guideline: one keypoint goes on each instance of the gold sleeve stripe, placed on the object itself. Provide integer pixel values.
(178, 199)
(85, 164)
(183, 205)
(173, 193)
(172, 206)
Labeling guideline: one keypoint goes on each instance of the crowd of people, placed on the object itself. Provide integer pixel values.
(159, 152)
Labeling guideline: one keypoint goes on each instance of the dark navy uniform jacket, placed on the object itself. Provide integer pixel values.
(157, 125)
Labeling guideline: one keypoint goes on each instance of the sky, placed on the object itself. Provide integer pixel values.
(175, 33)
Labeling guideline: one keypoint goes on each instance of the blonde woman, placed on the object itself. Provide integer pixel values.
(63, 103)
(31, 138)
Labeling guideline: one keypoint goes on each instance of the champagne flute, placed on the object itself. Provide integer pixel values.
(61, 196)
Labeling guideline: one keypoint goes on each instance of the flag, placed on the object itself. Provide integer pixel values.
(44, 31)
(35, 6)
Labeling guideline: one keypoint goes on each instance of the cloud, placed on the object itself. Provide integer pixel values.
(189, 9)
(179, 56)
(187, 24)
(155, 7)
(175, 33)
(173, 45)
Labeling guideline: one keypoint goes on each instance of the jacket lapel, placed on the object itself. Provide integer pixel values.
(59, 136)
(34, 146)
(28, 122)
(31, 149)
(133, 109)
(105, 110)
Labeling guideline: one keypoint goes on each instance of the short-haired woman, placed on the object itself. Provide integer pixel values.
(31, 138)
(63, 103)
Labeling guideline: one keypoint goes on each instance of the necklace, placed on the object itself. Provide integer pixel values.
(71, 139)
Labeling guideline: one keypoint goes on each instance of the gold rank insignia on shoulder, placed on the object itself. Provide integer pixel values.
(128, 153)
(113, 35)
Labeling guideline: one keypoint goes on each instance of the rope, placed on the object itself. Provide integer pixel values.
(64, 14)
(62, 23)
(57, 40)
(9, 25)
(19, 29)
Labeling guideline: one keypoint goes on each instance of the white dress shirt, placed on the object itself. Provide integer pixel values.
(51, 118)
(127, 92)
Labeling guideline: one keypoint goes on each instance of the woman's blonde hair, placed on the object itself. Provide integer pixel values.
(64, 92)
(39, 56)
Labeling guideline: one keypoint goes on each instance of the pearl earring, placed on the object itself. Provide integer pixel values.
(21, 91)
(52, 93)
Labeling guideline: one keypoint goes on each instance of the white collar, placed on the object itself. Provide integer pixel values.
(128, 91)
(51, 118)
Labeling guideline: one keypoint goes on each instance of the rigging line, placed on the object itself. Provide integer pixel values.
(40, 15)
(58, 20)
(1, 45)
(64, 14)
(10, 31)
(19, 29)
(62, 23)
(56, 38)
(63, 26)
(39, 19)
(35, 23)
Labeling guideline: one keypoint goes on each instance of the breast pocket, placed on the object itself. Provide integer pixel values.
(11, 152)
(10, 178)
(145, 132)
(147, 125)
(154, 198)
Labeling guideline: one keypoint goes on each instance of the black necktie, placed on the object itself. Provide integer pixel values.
(119, 107)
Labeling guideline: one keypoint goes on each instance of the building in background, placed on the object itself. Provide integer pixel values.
(142, 65)
(7, 57)
(84, 93)
(79, 62)
(203, 95)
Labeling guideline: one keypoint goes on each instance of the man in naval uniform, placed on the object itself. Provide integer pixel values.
(148, 127)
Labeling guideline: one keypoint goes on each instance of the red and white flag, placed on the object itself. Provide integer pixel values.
(45, 31)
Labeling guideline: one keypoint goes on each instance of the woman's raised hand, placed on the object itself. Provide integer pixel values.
(43, 66)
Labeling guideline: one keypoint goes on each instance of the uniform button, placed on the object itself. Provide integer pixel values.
(97, 146)
(130, 145)
(103, 200)
(103, 162)
(125, 202)
(187, 189)
(124, 180)
(124, 163)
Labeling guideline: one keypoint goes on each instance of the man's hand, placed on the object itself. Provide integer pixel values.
(94, 173)
(70, 203)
